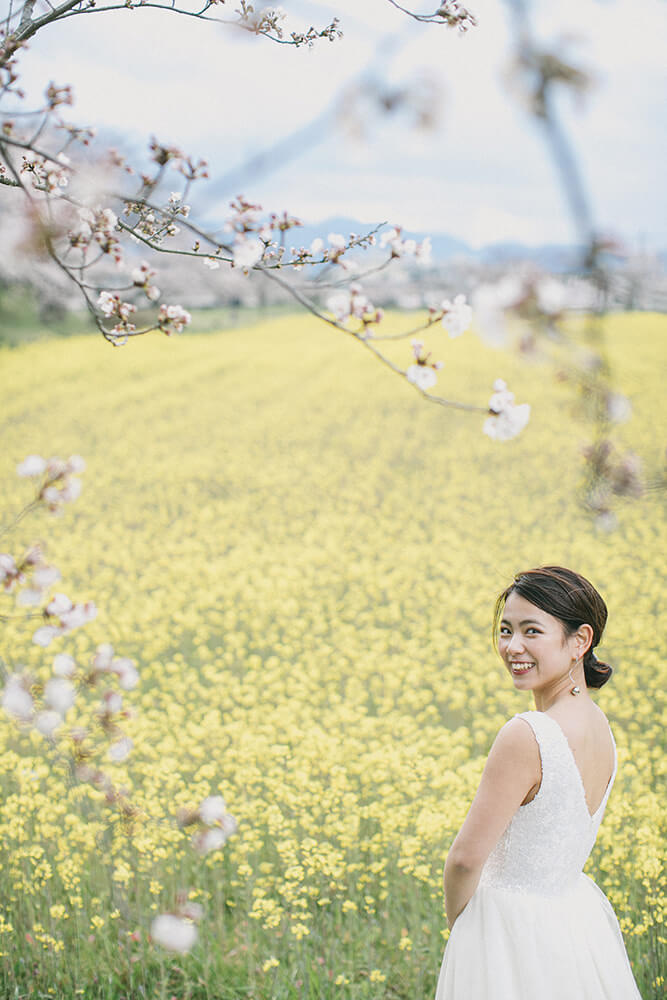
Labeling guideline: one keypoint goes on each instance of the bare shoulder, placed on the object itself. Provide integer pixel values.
(516, 734)
(516, 746)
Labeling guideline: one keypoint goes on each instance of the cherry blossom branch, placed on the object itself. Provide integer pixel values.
(367, 338)
(266, 22)
(28, 509)
(451, 13)
(40, 706)
(609, 476)
(78, 242)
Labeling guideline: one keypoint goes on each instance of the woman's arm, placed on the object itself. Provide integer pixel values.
(512, 770)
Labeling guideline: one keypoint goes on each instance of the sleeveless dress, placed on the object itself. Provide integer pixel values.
(536, 927)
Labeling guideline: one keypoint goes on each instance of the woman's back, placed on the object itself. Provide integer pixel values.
(548, 841)
(589, 737)
(537, 926)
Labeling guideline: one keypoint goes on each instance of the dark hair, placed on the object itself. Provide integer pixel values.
(569, 597)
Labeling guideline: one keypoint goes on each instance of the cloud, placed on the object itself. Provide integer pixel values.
(483, 174)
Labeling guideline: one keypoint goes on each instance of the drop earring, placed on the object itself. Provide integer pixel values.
(575, 689)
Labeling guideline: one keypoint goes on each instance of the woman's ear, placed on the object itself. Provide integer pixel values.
(583, 637)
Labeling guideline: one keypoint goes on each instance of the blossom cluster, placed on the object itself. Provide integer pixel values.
(269, 20)
(176, 931)
(353, 304)
(47, 174)
(214, 824)
(173, 319)
(59, 479)
(423, 373)
(142, 277)
(58, 696)
(62, 616)
(30, 573)
(535, 297)
(97, 225)
(507, 420)
(406, 247)
(186, 165)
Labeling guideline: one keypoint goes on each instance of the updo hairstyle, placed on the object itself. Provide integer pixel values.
(569, 597)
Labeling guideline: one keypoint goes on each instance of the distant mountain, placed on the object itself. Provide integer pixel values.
(551, 257)
(443, 246)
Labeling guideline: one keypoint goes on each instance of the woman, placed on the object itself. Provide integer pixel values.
(526, 923)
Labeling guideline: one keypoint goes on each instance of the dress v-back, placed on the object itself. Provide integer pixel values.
(536, 927)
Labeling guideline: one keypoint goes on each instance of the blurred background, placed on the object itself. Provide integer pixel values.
(400, 121)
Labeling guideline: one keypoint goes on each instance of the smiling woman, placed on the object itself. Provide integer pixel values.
(525, 920)
(574, 611)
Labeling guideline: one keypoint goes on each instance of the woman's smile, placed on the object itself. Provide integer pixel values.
(520, 666)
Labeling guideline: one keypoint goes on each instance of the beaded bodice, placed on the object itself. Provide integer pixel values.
(548, 840)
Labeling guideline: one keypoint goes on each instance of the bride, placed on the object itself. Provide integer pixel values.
(526, 923)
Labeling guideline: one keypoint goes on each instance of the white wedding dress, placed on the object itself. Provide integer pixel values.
(536, 927)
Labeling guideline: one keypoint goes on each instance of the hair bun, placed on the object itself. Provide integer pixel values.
(596, 672)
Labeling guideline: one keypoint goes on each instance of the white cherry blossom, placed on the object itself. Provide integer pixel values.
(103, 657)
(45, 576)
(106, 303)
(59, 694)
(212, 809)
(619, 407)
(124, 667)
(16, 700)
(551, 296)
(248, 250)
(64, 665)
(508, 424)
(45, 635)
(78, 615)
(210, 839)
(174, 933)
(423, 376)
(121, 749)
(30, 597)
(47, 722)
(59, 604)
(173, 318)
(112, 702)
(33, 465)
(457, 316)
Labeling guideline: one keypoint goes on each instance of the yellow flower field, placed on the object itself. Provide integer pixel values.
(301, 556)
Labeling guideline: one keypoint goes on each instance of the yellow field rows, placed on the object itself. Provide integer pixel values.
(302, 558)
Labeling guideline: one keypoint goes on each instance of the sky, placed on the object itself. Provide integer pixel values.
(482, 173)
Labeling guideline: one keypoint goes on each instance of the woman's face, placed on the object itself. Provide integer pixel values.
(534, 646)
